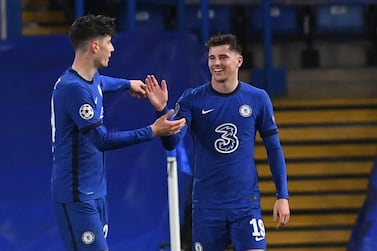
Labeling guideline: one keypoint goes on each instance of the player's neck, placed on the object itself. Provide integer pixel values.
(226, 86)
(84, 68)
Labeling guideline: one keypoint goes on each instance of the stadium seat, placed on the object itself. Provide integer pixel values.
(339, 20)
(284, 20)
(219, 19)
(151, 17)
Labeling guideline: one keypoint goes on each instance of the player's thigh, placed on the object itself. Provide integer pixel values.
(247, 229)
(83, 225)
(209, 230)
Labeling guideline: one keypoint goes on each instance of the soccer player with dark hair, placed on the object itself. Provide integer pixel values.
(223, 117)
(79, 137)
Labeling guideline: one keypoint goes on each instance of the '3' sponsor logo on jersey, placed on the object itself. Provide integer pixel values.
(228, 141)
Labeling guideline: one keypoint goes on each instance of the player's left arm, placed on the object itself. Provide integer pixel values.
(135, 87)
(277, 164)
(269, 132)
(281, 212)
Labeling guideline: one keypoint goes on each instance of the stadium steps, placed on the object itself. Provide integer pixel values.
(332, 82)
(330, 146)
(39, 19)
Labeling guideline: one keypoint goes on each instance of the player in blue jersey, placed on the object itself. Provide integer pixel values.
(79, 137)
(223, 117)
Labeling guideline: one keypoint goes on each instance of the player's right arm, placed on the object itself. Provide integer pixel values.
(105, 140)
(87, 116)
(170, 142)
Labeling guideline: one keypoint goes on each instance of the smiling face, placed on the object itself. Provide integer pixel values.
(223, 64)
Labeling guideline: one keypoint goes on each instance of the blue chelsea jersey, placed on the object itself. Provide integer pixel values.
(78, 171)
(223, 128)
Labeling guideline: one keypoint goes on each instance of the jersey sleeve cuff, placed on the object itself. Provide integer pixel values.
(127, 84)
(150, 132)
(283, 196)
(160, 113)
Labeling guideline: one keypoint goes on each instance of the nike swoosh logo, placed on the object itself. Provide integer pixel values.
(258, 238)
(207, 111)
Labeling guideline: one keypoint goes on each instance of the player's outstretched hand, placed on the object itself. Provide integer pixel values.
(165, 127)
(281, 210)
(157, 95)
(137, 89)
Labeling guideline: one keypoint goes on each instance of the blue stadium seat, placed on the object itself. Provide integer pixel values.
(151, 17)
(284, 20)
(219, 19)
(339, 20)
(348, 2)
(157, 1)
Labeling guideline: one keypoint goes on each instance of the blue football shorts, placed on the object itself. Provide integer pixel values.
(216, 229)
(83, 225)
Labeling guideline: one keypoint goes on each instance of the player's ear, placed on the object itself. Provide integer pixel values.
(240, 61)
(94, 46)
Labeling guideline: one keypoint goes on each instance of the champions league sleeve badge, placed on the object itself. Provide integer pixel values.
(86, 111)
(88, 237)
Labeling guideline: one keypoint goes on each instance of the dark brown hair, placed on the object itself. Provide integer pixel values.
(91, 26)
(225, 39)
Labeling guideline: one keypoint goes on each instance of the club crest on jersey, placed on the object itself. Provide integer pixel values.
(88, 237)
(86, 111)
(245, 111)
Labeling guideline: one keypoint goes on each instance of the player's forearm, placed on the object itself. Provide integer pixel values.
(168, 142)
(277, 165)
(110, 84)
(105, 140)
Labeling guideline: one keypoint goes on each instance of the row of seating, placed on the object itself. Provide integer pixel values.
(286, 20)
(246, 20)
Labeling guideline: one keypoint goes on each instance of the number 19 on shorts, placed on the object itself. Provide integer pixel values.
(259, 232)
